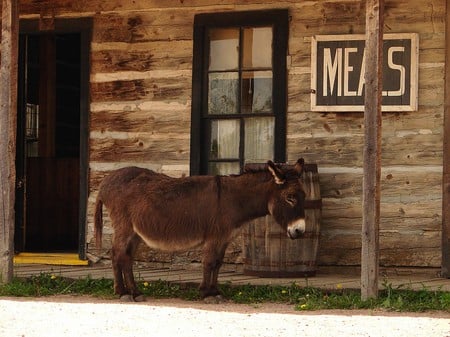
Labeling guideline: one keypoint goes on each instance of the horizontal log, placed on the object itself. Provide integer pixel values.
(347, 149)
(395, 184)
(60, 7)
(169, 149)
(141, 121)
(144, 26)
(388, 240)
(350, 208)
(426, 257)
(142, 57)
(171, 89)
(309, 124)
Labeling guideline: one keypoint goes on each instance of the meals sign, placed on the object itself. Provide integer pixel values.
(337, 77)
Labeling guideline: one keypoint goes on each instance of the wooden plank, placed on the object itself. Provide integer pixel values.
(396, 185)
(171, 89)
(8, 121)
(141, 148)
(446, 154)
(143, 26)
(61, 7)
(346, 149)
(120, 56)
(372, 149)
(140, 121)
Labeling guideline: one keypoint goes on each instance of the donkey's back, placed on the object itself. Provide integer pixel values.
(160, 209)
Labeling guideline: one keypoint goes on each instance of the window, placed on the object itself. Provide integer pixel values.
(239, 90)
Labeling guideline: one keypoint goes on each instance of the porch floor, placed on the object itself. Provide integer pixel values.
(326, 278)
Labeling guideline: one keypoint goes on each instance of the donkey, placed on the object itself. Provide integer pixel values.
(175, 214)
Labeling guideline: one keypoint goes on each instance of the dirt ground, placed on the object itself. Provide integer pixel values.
(88, 316)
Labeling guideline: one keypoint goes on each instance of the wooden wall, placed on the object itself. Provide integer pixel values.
(141, 68)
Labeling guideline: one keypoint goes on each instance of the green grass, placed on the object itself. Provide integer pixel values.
(51, 284)
(303, 298)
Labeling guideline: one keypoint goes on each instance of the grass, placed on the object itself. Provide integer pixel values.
(303, 298)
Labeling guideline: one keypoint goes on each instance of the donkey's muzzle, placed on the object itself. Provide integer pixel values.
(296, 229)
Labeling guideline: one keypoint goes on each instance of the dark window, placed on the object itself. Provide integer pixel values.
(239, 90)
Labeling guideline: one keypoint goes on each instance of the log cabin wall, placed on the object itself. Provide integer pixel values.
(140, 112)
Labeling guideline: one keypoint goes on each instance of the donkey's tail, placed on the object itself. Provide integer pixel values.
(98, 219)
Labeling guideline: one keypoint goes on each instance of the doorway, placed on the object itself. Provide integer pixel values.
(51, 159)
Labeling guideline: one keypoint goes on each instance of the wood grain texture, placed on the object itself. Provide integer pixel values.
(141, 82)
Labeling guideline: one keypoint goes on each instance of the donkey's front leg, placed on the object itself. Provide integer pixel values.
(213, 254)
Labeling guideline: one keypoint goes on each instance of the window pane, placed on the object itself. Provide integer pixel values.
(256, 91)
(257, 47)
(223, 168)
(224, 49)
(225, 139)
(223, 93)
(259, 139)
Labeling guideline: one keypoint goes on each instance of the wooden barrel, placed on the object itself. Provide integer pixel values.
(269, 252)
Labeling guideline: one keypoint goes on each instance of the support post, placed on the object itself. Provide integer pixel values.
(372, 149)
(445, 264)
(8, 122)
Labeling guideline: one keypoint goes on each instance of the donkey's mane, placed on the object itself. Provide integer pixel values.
(255, 168)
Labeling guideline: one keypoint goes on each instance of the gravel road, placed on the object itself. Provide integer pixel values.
(80, 316)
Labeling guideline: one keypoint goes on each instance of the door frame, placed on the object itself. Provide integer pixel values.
(84, 27)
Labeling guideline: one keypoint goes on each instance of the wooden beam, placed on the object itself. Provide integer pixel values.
(372, 149)
(8, 121)
(445, 269)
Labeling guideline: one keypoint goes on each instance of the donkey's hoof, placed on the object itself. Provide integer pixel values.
(126, 298)
(214, 299)
(139, 298)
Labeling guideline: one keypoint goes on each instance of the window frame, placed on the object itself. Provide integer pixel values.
(279, 20)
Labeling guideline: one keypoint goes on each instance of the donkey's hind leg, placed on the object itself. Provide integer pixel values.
(124, 247)
(127, 269)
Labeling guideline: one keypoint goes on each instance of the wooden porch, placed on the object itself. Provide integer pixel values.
(326, 278)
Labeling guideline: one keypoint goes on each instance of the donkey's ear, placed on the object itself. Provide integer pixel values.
(276, 173)
(299, 166)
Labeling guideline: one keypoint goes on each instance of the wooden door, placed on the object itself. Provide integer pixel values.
(48, 157)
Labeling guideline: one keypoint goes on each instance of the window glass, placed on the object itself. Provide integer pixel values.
(225, 139)
(220, 168)
(257, 49)
(256, 94)
(259, 139)
(223, 49)
(223, 91)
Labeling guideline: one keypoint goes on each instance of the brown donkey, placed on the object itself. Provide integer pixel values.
(174, 214)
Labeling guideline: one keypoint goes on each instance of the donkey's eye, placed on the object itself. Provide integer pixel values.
(291, 199)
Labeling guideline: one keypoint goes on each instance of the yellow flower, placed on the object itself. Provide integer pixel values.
(338, 286)
(303, 306)
(146, 284)
(284, 291)
(53, 277)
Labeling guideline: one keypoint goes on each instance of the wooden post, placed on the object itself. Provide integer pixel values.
(8, 121)
(372, 149)
(445, 271)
